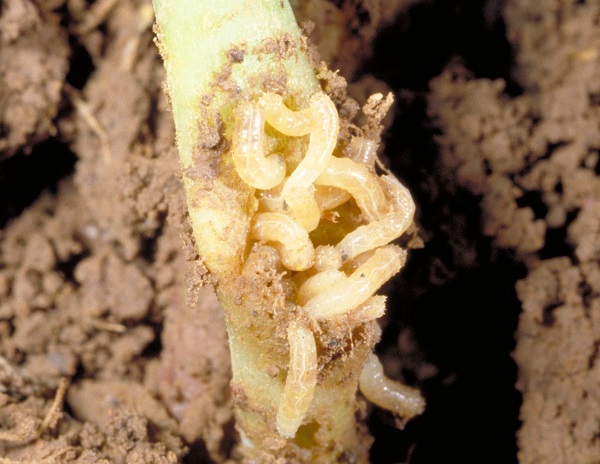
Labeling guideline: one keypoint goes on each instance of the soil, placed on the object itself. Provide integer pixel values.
(112, 344)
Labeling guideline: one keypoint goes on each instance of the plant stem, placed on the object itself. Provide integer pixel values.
(218, 54)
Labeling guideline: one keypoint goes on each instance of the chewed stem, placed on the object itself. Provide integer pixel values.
(301, 380)
(404, 401)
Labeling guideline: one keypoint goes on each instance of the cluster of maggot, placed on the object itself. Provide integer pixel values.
(338, 279)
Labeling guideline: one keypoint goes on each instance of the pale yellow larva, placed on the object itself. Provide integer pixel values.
(404, 401)
(334, 281)
(401, 200)
(361, 183)
(248, 149)
(318, 283)
(370, 310)
(291, 239)
(300, 382)
(359, 150)
(362, 150)
(359, 286)
(301, 205)
(284, 120)
(327, 257)
(330, 197)
(385, 230)
(323, 139)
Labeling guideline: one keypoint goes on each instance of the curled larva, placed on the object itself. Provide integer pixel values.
(362, 150)
(291, 239)
(361, 183)
(357, 288)
(400, 199)
(385, 230)
(359, 150)
(300, 381)
(404, 401)
(284, 120)
(323, 139)
(318, 283)
(248, 149)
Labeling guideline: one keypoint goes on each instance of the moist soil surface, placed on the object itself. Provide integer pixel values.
(113, 348)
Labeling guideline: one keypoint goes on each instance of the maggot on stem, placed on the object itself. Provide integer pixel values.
(293, 208)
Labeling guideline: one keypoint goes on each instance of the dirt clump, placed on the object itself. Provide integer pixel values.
(533, 160)
(34, 54)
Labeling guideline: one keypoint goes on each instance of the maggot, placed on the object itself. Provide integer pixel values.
(248, 149)
(301, 379)
(358, 287)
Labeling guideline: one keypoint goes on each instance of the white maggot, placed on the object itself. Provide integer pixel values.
(316, 284)
(361, 183)
(301, 380)
(385, 230)
(284, 120)
(248, 150)
(371, 309)
(291, 239)
(359, 286)
(300, 205)
(327, 257)
(323, 139)
(403, 401)
(363, 151)
(330, 197)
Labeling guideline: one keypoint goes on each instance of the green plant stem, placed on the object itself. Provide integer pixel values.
(218, 53)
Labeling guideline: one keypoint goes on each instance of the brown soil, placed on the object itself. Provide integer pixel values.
(533, 159)
(102, 299)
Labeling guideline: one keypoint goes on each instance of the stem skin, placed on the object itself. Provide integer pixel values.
(218, 54)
